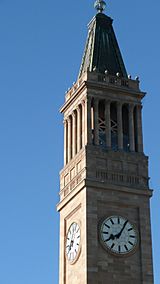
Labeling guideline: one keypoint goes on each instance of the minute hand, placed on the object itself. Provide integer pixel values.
(120, 233)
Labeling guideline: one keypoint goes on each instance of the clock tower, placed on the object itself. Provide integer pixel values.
(105, 231)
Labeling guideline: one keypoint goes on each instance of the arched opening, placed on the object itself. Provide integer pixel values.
(135, 129)
(101, 123)
(125, 124)
(114, 127)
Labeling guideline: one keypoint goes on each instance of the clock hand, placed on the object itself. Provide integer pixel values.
(112, 237)
(71, 245)
(120, 233)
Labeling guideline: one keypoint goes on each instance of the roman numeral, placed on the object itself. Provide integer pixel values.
(119, 249)
(106, 233)
(130, 243)
(118, 221)
(107, 226)
(112, 221)
(126, 247)
(130, 229)
(131, 236)
(112, 245)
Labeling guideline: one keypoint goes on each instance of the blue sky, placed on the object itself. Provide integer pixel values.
(41, 45)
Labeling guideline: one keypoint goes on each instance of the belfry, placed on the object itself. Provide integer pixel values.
(105, 231)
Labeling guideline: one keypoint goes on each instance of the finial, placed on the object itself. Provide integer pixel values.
(100, 6)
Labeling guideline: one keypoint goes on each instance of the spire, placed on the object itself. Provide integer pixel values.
(102, 53)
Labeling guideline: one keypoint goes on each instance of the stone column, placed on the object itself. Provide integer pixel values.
(87, 121)
(83, 123)
(65, 142)
(131, 129)
(96, 122)
(108, 124)
(73, 134)
(69, 139)
(78, 130)
(139, 128)
(120, 126)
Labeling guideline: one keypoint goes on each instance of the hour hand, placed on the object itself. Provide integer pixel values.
(112, 237)
(71, 245)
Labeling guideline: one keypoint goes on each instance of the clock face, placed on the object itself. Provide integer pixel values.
(118, 235)
(73, 242)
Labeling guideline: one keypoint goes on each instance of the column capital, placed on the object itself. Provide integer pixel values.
(83, 102)
(131, 106)
(96, 102)
(73, 114)
(119, 104)
(65, 121)
(78, 108)
(69, 120)
(139, 106)
(107, 102)
(88, 99)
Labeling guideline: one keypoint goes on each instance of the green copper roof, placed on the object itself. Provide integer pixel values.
(102, 51)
